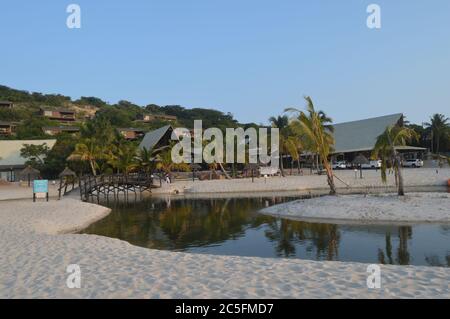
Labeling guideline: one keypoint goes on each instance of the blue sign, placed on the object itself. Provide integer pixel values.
(40, 186)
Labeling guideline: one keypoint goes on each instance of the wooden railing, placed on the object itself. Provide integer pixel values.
(116, 185)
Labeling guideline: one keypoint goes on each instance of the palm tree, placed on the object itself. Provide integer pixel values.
(316, 128)
(385, 149)
(294, 147)
(282, 123)
(166, 164)
(439, 127)
(88, 150)
(145, 160)
(123, 158)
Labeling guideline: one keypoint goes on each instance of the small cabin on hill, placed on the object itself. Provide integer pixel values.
(6, 105)
(61, 115)
(130, 133)
(7, 128)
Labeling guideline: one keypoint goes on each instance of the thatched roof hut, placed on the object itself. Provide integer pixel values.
(29, 172)
(360, 160)
(67, 172)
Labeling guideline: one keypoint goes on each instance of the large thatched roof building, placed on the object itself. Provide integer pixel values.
(359, 137)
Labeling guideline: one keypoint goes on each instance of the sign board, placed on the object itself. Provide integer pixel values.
(40, 189)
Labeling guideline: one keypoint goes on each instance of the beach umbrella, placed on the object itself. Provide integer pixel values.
(29, 172)
(67, 172)
(359, 161)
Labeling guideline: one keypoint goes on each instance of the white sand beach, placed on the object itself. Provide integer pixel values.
(10, 191)
(371, 180)
(412, 208)
(36, 250)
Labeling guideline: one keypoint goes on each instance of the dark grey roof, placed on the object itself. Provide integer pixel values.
(361, 135)
(7, 123)
(130, 129)
(62, 128)
(410, 148)
(62, 110)
(151, 139)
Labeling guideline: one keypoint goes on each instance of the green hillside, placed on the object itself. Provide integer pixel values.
(122, 114)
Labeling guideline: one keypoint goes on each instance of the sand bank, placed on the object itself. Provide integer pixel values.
(34, 259)
(412, 208)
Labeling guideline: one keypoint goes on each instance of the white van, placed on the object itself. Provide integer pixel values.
(412, 163)
(372, 164)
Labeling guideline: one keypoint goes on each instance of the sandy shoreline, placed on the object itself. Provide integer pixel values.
(381, 208)
(371, 182)
(424, 177)
(35, 260)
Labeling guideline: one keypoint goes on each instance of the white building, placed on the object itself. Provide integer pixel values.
(11, 163)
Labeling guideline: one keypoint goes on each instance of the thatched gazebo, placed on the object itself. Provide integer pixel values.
(66, 177)
(29, 173)
(359, 161)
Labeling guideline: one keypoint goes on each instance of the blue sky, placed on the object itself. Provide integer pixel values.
(251, 58)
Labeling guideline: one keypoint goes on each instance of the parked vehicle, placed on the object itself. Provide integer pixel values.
(372, 164)
(339, 165)
(412, 163)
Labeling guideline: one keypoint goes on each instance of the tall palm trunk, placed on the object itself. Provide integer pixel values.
(317, 164)
(437, 143)
(91, 163)
(401, 190)
(330, 178)
(224, 171)
(281, 165)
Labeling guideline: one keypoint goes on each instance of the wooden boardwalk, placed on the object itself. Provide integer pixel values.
(117, 185)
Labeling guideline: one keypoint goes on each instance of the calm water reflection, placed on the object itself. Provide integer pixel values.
(232, 226)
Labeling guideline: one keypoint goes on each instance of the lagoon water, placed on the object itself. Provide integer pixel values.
(233, 226)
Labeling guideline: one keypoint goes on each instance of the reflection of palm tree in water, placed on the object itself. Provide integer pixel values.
(323, 237)
(404, 233)
(205, 222)
(403, 256)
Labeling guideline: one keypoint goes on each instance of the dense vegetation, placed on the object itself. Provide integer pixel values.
(121, 114)
(98, 147)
